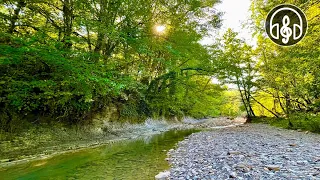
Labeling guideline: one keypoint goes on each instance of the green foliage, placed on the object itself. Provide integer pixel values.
(236, 66)
(231, 104)
(185, 96)
(290, 76)
(46, 81)
(269, 102)
(66, 60)
(298, 121)
(273, 80)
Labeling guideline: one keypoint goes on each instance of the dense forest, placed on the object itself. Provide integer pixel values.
(67, 60)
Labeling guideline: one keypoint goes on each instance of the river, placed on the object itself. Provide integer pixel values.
(141, 158)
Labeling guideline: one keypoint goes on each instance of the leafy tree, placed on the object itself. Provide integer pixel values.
(66, 60)
(289, 74)
(237, 67)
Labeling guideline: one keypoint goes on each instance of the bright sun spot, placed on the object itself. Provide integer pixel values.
(160, 28)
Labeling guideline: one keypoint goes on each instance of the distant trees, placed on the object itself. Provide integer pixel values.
(273, 80)
(236, 66)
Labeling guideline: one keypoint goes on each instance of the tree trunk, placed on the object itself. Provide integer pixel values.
(68, 22)
(242, 98)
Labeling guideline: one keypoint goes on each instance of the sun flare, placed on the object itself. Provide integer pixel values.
(160, 29)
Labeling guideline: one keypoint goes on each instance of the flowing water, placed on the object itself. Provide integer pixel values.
(136, 159)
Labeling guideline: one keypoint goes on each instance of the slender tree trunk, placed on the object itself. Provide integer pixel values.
(68, 22)
(281, 105)
(246, 98)
(99, 42)
(248, 95)
(242, 98)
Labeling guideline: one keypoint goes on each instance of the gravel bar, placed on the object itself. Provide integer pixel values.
(254, 151)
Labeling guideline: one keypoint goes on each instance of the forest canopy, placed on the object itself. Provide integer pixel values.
(65, 60)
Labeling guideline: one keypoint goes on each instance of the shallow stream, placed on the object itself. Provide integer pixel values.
(135, 159)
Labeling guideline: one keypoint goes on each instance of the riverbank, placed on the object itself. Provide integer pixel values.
(254, 151)
(31, 146)
(301, 122)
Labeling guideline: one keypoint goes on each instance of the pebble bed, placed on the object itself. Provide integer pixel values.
(254, 151)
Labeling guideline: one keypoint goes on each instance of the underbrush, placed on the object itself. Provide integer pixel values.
(306, 122)
(40, 81)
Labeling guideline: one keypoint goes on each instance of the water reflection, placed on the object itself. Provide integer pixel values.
(138, 159)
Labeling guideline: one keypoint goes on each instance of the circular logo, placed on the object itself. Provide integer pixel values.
(286, 25)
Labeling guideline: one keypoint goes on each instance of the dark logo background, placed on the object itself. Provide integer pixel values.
(289, 27)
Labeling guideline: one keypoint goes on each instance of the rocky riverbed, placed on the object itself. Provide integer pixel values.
(254, 151)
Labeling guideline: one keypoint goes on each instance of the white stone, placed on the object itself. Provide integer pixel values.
(233, 175)
(163, 175)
